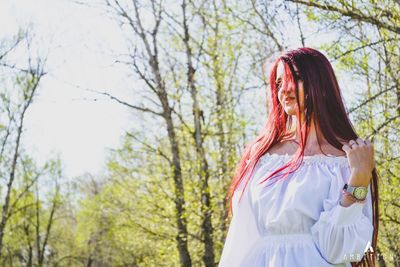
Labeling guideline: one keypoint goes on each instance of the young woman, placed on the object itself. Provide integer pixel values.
(305, 192)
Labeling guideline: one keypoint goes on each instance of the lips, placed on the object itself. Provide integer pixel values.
(288, 99)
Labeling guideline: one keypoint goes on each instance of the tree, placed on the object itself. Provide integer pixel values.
(367, 47)
(15, 107)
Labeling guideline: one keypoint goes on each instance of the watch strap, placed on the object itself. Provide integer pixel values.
(350, 189)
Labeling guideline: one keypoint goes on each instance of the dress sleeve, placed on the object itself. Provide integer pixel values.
(342, 234)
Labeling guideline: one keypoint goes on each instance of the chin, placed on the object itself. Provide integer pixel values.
(290, 112)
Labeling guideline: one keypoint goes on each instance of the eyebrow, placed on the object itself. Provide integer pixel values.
(296, 73)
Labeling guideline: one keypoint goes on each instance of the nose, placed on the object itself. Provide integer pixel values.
(289, 89)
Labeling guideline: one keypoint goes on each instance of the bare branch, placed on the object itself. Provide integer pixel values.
(155, 150)
(388, 121)
(354, 14)
(371, 99)
(143, 109)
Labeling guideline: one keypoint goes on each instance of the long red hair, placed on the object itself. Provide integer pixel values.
(323, 104)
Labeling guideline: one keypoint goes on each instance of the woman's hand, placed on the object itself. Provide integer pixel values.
(360, 155)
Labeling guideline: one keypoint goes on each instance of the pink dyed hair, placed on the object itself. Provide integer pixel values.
(322, 103)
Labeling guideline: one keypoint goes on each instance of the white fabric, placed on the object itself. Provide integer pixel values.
(297, 221)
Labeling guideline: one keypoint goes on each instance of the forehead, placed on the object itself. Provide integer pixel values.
(280, 70)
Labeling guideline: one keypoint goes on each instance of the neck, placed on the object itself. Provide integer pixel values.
(312, 145)
(312, 138)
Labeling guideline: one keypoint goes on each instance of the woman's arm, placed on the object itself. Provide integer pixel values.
(360, 155)
(342, 234)
(344, 229)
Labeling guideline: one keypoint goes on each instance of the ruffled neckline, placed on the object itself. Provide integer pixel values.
(311, 159)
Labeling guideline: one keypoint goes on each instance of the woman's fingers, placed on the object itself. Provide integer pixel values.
(353, 144)
(360, 142)
(346, 148)
(369, 144)
(360, 154)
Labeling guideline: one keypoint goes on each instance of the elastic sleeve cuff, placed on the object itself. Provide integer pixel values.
(347, 215)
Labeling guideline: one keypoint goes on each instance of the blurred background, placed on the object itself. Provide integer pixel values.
(121, 122)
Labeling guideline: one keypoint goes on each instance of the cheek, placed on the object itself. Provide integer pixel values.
(280, 96)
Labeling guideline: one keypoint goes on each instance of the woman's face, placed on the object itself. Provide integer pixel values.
(287, 98)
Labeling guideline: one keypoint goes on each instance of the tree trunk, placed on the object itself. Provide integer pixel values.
(204, 175)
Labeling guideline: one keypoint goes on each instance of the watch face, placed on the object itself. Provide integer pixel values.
(360, 193)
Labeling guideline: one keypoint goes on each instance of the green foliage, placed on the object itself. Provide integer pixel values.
(128, 216)
(367, 50)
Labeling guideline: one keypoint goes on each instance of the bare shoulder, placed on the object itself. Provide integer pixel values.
(282, 148)
(290, 147)
(331, 150)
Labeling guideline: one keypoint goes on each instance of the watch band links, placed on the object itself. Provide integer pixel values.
(351, 189)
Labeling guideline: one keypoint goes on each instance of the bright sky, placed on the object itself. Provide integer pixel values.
(64, 120)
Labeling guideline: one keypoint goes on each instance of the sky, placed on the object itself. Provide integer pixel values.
(65, 121)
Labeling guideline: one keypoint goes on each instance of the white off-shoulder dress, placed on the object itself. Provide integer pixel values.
(297, 221)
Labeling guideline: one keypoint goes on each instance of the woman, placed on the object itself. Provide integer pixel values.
(305, 195)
